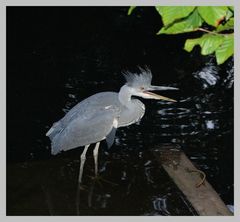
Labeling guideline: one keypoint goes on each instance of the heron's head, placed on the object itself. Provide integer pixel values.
(140, 85)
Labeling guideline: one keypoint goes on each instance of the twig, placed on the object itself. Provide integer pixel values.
(205, 30)
(211, 32)
(201, 173)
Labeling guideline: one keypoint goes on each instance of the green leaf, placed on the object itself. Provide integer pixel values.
(227, 26)
(131, 8)
(208, 42)
(171, 13)
(189, 24)
(213, 15)
(231, 8)
(229, 14)
(225, 50)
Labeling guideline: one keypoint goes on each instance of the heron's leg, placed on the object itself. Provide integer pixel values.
(95, 155)
(82, 159)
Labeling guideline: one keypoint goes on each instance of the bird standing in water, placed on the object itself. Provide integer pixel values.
(97, 117)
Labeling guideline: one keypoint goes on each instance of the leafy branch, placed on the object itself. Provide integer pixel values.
(218, 37)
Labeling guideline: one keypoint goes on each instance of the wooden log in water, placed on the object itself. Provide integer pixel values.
(191, 181)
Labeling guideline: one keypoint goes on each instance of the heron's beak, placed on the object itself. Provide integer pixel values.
(152, 95)
(159, 88)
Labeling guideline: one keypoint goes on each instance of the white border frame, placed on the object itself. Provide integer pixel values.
(3, 5)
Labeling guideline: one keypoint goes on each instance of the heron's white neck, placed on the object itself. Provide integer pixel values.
(125, 95)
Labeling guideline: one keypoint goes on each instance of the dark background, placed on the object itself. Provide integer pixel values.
(57, 56)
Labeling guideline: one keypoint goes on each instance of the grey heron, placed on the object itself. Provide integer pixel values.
(97, 117)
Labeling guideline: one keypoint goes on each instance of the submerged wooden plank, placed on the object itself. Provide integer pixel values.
(191, 182)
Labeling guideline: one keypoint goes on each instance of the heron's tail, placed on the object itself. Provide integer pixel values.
(53, 133)
(54, 130)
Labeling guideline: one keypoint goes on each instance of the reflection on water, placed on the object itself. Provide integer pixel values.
(159, 204)
(208, 75)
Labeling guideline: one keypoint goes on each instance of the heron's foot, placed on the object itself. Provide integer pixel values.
(99, 179)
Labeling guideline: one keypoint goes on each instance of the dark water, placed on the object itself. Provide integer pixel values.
(58, 56)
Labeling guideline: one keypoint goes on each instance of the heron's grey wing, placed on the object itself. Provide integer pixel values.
(84, 108)
(88, 116)
(111, 136)
(87, 107)
(85, 130)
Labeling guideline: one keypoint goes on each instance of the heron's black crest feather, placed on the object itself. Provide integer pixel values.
(137, 80)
